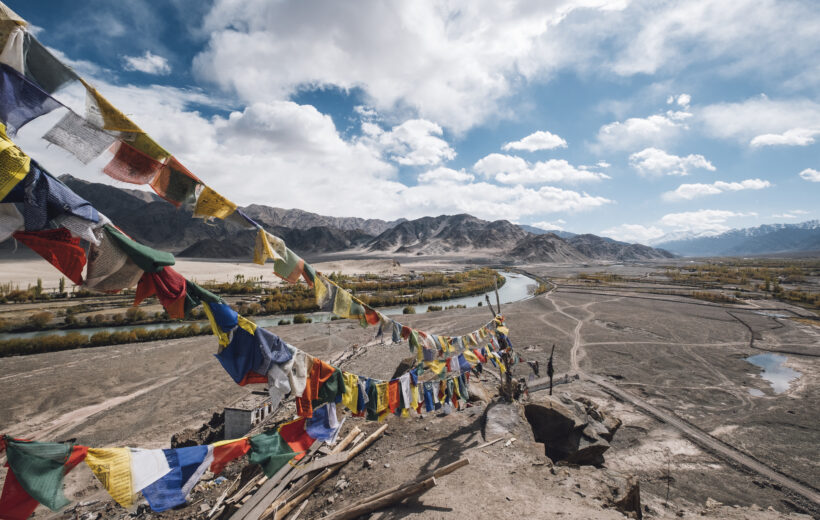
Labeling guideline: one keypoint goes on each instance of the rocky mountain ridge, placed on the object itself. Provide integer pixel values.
(760, 240)
(153, 221)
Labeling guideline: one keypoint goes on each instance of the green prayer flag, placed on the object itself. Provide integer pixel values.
(372, 403)
(194, 295)
(333, 387)
(146, 258)
(269, 450)
(40, 468)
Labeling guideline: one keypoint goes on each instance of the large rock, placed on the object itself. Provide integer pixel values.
(568, 430)
(503, 419)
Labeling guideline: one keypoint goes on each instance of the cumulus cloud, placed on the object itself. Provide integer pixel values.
(540, 140)
(810, 174)
(557, 225)
(704, 221)
(761, 121)
(445, 175)
(602, 164)
(148, 63)
(634, 233)
(415, 142)
(656, 162)
(793, 137)
(510, 169)
(691, 191)
(636, 132)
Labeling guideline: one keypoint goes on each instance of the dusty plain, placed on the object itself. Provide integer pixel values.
(680, 355)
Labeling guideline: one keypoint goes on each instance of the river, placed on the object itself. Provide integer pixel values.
(517, 287)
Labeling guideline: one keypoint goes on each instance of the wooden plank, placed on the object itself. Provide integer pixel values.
(372, 504)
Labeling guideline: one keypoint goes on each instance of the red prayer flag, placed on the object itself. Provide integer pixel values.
(294, 434)
(131, 165)
(225, 453)
(393, 398)
(58, 247)
(371, 316)
(168, 286)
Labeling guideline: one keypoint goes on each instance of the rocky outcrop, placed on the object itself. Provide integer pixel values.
(576, 432)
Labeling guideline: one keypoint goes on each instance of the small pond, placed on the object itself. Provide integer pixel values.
(774, 371)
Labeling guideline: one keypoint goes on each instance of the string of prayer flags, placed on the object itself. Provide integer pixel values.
(131, 165)
(324, 385)
(227, 451)
(36, 473)
(79, 137)
(168, 286)
(212, 204)
(175, 183)
(187, 465)
(148, 259)
(21, 100)
(59, 248)
(14, 164)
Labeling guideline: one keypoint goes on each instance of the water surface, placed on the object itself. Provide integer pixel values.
(774, 371)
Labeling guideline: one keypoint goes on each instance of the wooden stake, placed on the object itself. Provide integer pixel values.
(370, 504)
(497, 300)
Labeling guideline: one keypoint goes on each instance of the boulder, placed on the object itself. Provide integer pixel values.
(569, 429)
(503, 419)
(478, 392)
(623, 493)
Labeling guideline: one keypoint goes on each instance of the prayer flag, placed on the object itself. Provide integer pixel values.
(13, 53)
(393, 396)
(267, 246)
(187, 466)
(14, 164)
(271, 451)
(105, 115)
(175, 183)
(324, 425)
(112, 467)
(36, 472)
(243, 359)
(350, 398)
(212, 204)
(11, 220)
(21, 100)
(59, 248)
(109, 268)
(131, 165)
(169, 288)
(43, 68)
(146, 258)
(227, 451)
(290, 267)
(80, 138)
(296, 436)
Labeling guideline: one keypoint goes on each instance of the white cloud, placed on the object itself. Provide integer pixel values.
(510, 169)
(148, 63)
(415, 142)
(636, 132)
(652, 161)
(443, 175)
(634, 233)
(691, 191)
(793, 137)
(810, 174)
(758, 116)
(557, 225)
(684, 100)
(540, 140)
(795, 213)
(705, 221)
(602, 164)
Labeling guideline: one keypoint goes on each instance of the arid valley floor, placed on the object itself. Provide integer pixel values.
(671, 368)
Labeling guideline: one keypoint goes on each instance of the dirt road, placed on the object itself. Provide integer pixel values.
(711, 443)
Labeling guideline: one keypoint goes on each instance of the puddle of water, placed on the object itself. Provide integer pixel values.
(756, 393)
(778, 375)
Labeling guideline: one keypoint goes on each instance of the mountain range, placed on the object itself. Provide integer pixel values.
(154, 222)
(761, 240)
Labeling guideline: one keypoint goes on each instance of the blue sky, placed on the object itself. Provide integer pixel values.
(632, 119)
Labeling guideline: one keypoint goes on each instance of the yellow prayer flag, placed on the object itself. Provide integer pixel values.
(350, 398)
(112, 467)
(503, 330)
(456, 390)
(100, 110)
(14, 164)
(471, 357)
(342, 303)
(382, 396)
(221, 337)
(414, 396)
(212, 204)
(247, 324)
(267, 246)
(437, 366)
(320, 290)
(148, 146)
